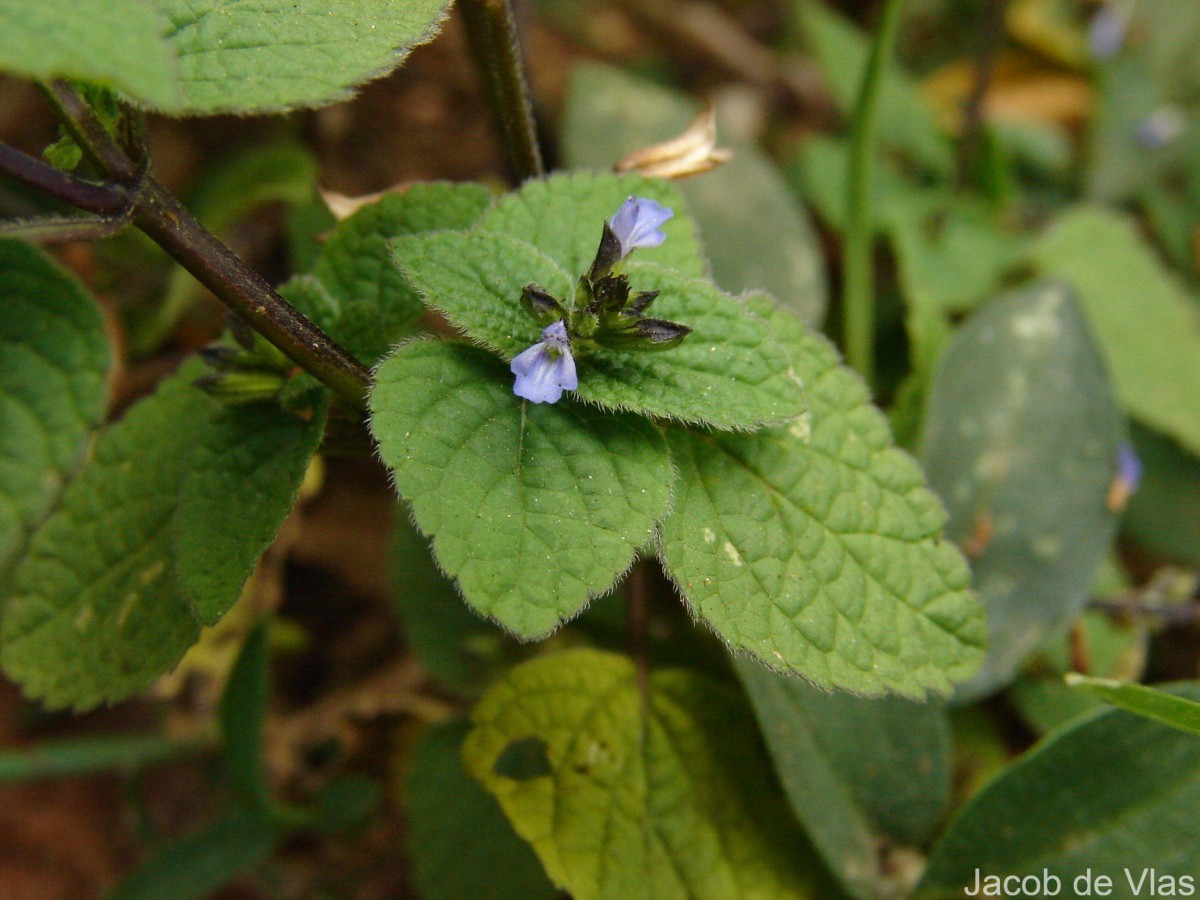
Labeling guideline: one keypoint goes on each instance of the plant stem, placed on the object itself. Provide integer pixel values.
(172, 227)
(492, 36)
(990, 37)
(637, 614)
(102, 199)
(858, 282)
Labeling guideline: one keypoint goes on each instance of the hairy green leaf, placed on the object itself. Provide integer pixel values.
(375, 307)
(744, 203)
(1020, 441)
(564, 216)
(54, 359)
(121, 43)
(1143, 319)
(1113, 793)
(815, 546)
(533, 508)
(242, 479)
(97, 611)
(862, 775)
(461, 844)
(728, 373)
(197, 57)
(629, 794)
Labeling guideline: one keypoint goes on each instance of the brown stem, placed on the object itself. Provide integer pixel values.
(492, 36)
(637, 616)
(165, 220)
(102, 199)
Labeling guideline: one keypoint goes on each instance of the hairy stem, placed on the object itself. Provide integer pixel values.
(492, 35)
(859, 279)
(172, 227)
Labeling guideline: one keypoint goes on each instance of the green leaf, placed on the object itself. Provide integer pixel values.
(1020, 441)
(1142, 318)
(862, 775)
(728, 373)
(242, 714)
(198, 865)
(1177, 712)
(461, 844)
(564, 215)
(375, 307)
(630, 794)
(448, 637)
(1112, 793)
(243, 476)
(816, 548)
(533, 508)
(122, 43)
(54, 360)
(97, 611)
(906, 122)
(199, 57)
(744, 203)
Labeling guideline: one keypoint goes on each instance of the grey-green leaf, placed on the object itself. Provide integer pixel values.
(241, 481)
(375, 305)
(1020, 441)
(533, 508)
(634, 792)
(729, 372)
(1112, 793)
(816, 546)
(1143, 319)
(97, 611)
(54, 359)
(744, 203)
(864, 776)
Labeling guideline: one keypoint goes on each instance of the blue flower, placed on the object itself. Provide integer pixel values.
(638, 224)
(547, 368)
(1106, 33)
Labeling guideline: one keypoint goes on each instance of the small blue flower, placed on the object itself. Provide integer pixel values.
(1107, 30)
(547, 368)
(1161, 127)
(638, 223)
(1129, 466)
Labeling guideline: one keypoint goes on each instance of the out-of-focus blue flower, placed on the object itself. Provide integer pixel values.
(1127, 480)
(1129, 467)
(547, 368)
(638, 223)
(1107, 30)
(1161, 127)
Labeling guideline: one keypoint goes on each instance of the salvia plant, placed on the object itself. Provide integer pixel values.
(683, 612)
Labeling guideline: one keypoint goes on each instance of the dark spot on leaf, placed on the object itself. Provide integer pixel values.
(523, 760)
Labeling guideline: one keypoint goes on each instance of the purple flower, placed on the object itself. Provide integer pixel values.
(1129, 467)
(1161, 127)
(638, 224)
(1106, 33)
(547, 368)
